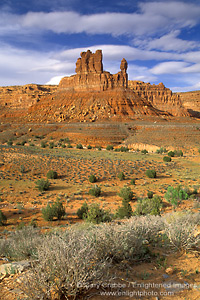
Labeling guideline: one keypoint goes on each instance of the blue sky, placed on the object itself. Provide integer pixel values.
(40, 40)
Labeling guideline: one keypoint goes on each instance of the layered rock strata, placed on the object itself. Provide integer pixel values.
(91, 77)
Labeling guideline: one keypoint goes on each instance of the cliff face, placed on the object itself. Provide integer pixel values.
(91, 77)
(191, 101)
(160, 97)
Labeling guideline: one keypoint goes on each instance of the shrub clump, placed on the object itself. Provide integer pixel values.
(149, 206)
(121, 176)
(82, 211)
(95, 191)
(171, 153)
(126, 193)
(151, 173)
(3, 218)
(52, 174)
(97, 215)
(175, 195)
(79, 146)
(42, 185)
(167, 158)
(56, 210)
(144, 151)
(109, 147)
(92, 178)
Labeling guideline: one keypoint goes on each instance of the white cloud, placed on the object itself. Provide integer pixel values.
(171, 67)
(153, 17)
(168, 42)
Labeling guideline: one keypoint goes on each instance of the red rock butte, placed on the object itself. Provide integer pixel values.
(90, 95)
(91, 77)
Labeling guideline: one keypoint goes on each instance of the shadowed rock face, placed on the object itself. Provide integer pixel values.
(91, 77)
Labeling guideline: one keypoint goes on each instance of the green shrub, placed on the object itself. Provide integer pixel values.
(42, 185)
(161, 150)
(124, 211)
(149, 206)
(144, 151)
(82, 211)
(99, 148)
(133, 181)
(175, 195)
(23, 143)
(52, 174)
(97, 215)
(167, 159)
(109, 147)
(3, 218)
(95, 191)
(56, 210)
(22, 169)
(10, 143)
(126, 194)
(121, 176)
(178, 153)
(171, 153)
(51, 145)
(150, 194)
(89, 147)
(69, 146)
(92, 178)
(151, 173)
(43, 144)
(79, 146)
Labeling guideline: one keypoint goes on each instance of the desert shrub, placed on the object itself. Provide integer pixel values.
(161, 150)
(171, 153)
(175, 195)
(151, 173)
(167, 159)
(43, 144)
(126, 194)
(10, 143)
(22, 169)
(99, 148)
(126, 241)
(95, 191)
(124, 211)
(133, 181)
(66, 263)
(79, 146)
(21, 244)
(150, 194)
(3, 218)
(149, 206)
(56, 210)
(82, 211)
(121, 176)
(42, 185)
(178, 153)
(123, 149)
(89, 147)
(144, 151)
(51, 145)
(63, 146)
(181, 230)
(97, 215)
(69, 146)
(109, 147)
(92, 178)
(52, 174)
(23, 143)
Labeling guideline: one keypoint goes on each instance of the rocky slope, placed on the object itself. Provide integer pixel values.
(90, 95)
